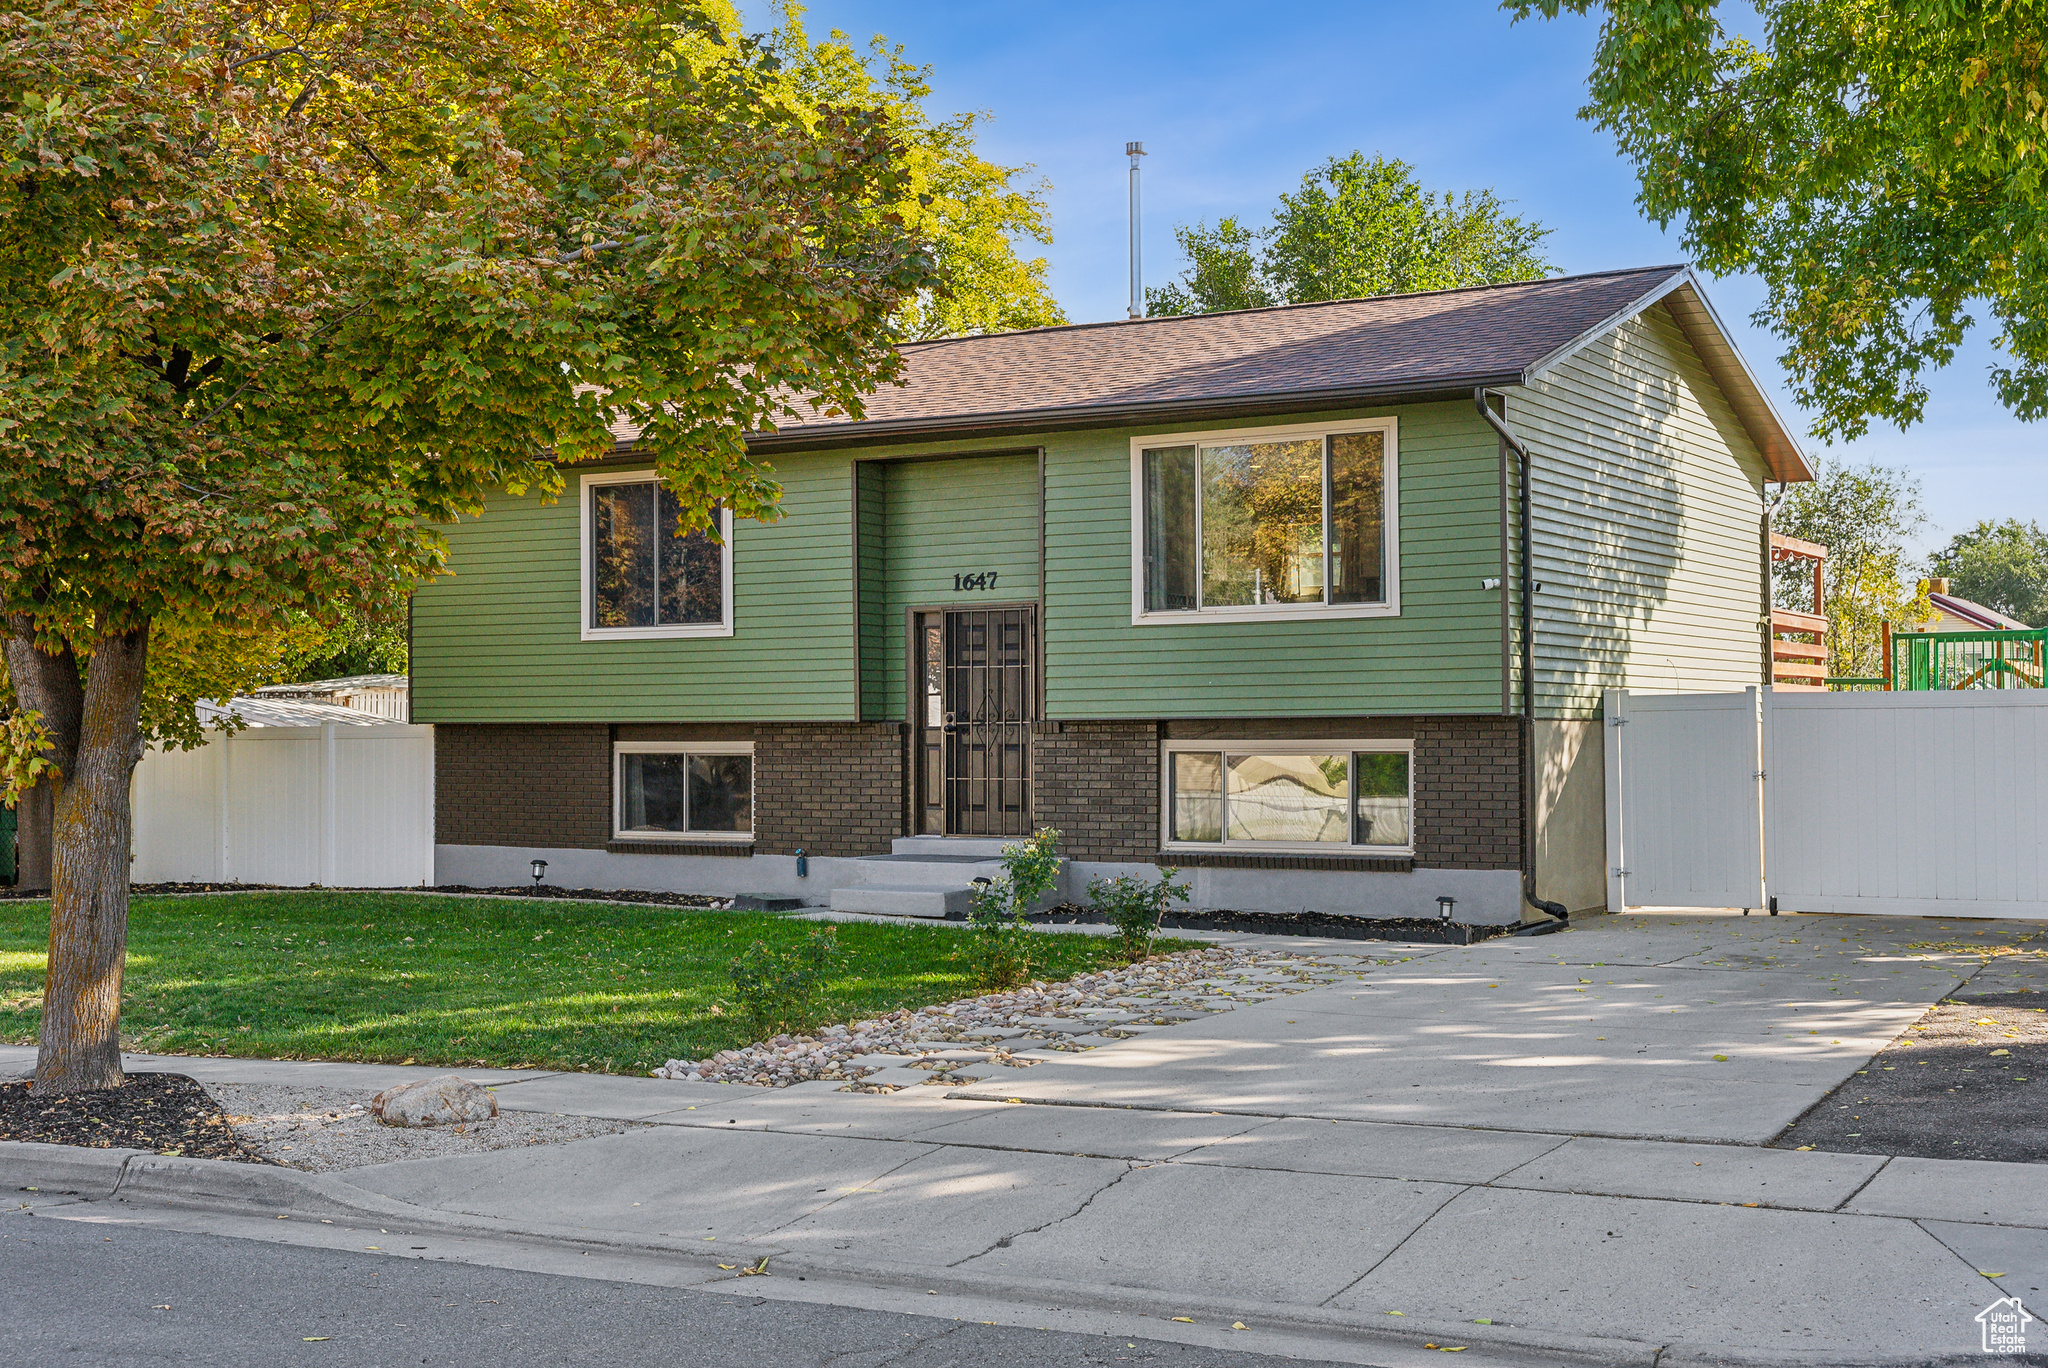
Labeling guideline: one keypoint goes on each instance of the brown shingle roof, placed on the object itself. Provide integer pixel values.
(1295, 356)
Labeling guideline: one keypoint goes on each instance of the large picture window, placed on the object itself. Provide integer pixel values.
(1327, 796)
(643, 578)
(1270, 524)
(683, 791)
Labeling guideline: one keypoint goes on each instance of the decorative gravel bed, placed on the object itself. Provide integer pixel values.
(986, 1033)
(164, 1112)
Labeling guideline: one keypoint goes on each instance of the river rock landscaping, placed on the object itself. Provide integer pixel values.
(967, 1041)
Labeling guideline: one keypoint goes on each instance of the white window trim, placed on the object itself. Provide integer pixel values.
(621, 749)
(1141, 617)
(721, 628)
(1244, 746)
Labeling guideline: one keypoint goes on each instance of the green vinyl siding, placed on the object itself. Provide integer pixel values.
(499, 640)
(1440, 655)
(877, 635)
(961, 516)
(1647, 505)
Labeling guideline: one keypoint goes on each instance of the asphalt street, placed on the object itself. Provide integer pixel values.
(82, 1294)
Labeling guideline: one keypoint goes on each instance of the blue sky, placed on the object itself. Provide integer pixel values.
(1234, 101)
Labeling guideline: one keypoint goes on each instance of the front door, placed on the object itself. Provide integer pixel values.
(979, 671)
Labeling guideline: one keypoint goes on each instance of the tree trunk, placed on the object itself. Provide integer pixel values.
(33, 814)
(48, 684)
(81, 1042)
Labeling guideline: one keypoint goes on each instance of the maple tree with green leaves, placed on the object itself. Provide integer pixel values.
(282, 288)
(1881, 164)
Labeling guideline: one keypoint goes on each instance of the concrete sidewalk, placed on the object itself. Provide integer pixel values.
(1551, 1148)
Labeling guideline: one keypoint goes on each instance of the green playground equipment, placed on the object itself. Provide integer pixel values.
(1967, 660)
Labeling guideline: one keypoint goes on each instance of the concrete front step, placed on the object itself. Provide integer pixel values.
(977, 847)
(924, 871)
(900, 900)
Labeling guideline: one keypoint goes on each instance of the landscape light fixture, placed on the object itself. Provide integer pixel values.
(1444, 904)
(540, 871)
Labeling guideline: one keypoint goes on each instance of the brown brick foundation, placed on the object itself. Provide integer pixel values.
(523, 785)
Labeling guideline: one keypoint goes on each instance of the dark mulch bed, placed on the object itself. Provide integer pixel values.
(164, 1112)
(632, 895)
(144, 890)
(1939, 1092)
(1415, 930)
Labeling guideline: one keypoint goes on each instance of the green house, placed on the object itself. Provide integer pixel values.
(1238, 593)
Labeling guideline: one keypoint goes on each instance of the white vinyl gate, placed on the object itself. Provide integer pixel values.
(1908, 803)
(341, 806)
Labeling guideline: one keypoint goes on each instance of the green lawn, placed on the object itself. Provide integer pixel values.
(466, 981)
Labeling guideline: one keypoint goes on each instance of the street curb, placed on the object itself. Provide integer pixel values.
(171, 1180)
(70, 1170)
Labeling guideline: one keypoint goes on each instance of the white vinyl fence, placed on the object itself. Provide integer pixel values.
(1910, 803)
(331, 804)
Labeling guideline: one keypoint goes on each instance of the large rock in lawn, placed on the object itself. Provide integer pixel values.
(446, 1101)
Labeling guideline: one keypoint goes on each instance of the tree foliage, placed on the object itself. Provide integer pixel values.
(284, 287)
(971, 212)
(1864, 515)
(2002, 565)
(1354, 227)
(1878, 162)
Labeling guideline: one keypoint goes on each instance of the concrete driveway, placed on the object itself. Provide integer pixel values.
(1644, 1026)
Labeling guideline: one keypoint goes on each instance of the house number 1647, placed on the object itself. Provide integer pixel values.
(983, 579)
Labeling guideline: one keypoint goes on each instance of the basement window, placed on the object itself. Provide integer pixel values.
(1310, 796)
(683, 790)
(1265, 524)
(641, 578)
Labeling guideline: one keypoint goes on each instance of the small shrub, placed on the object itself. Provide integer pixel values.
(1134, 905)
(777, 990)
(997, 953)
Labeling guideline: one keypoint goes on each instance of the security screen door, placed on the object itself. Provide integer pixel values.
(979, 676)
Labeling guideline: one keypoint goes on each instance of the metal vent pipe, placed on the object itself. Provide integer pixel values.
(1136, 150)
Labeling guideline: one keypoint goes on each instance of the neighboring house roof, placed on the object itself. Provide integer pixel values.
(346, 684)
(1979, 617)
(1438, 345)
(275, 712)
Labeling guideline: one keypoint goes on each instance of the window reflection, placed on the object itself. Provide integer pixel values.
(1258, 797)
(643, 571)
(1289, 798)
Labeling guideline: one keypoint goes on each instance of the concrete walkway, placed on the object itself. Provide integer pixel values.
(1544, 1148)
